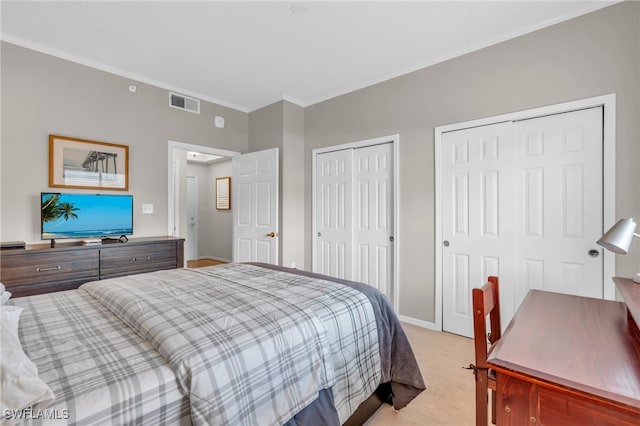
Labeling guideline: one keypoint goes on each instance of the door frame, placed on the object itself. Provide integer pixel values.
(196, 195)
(174, 174)
(395, 141)
(608, 102)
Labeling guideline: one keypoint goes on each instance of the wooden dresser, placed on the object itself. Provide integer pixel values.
(38, 268)
(569, 360)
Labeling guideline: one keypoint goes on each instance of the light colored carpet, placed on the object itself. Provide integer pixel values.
(449, 399)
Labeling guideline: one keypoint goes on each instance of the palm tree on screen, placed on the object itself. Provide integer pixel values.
(67, 211)
(49, 204)
(53, 209)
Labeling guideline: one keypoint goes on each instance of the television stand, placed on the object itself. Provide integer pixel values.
(39, 269)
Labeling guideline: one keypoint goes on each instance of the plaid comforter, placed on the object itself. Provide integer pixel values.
(252, 345)
(100, 371)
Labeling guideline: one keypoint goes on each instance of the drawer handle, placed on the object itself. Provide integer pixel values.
(141, 259)
(55, 268)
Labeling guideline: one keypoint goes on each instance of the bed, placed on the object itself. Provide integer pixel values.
(237, 344)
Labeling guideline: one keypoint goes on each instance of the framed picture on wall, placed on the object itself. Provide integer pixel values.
(223, 193)
(85, 164)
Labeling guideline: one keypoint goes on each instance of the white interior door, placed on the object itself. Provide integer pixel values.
(191, 243)
(373, 216)
(476, 221)
(354, 223)
(334, 207)
(561, 204)
(254, 181)
(522, 200)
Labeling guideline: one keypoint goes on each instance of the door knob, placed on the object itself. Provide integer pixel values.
(445, 243)
(594, 253)
(271, 234)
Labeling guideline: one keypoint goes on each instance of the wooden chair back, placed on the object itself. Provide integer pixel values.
(486, 301)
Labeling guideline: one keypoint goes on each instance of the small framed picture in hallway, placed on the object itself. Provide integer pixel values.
(223, 193)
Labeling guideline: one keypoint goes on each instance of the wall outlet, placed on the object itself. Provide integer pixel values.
(147, 209)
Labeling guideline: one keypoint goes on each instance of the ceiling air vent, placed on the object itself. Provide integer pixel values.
(184, 102)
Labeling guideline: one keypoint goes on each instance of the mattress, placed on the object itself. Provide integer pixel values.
(231, 344)
(100, 371)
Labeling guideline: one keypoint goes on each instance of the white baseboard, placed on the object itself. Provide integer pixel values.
(419, 323)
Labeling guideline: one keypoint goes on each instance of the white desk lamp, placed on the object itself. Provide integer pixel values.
(619, 237)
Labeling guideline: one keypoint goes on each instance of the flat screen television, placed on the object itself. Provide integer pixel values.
(64, 215)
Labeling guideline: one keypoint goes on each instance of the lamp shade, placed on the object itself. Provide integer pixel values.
(619, 237)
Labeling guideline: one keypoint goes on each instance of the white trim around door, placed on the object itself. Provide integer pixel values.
(395, 141)
(175, 173)
(608, 102)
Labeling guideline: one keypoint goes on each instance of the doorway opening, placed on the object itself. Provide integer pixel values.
(192, 213)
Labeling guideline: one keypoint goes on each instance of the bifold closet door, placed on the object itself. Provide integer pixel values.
(522, 200)
(477, 217)
(560, 196)
(354, 215)
(333, 215)
(373, 216)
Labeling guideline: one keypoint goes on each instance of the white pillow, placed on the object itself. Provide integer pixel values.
(20, 385)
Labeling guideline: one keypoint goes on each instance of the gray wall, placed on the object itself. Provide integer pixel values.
(44, 95)
(214, 226)
(281, 125)
(589, 56)
(293, 194)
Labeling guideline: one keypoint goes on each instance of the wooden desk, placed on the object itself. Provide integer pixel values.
(568, 360)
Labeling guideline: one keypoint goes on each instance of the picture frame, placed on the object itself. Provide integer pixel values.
(223, 193)
(87, 164)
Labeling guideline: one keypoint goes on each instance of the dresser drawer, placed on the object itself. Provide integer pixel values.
(38, 268)
(118, 261)
(51, 271)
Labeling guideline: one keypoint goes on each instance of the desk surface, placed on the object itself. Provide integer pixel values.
(575, 342)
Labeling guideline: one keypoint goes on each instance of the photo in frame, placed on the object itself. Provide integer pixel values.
(86, 164)
(223, 193)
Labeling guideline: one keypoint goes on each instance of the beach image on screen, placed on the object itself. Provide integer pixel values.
(86, 215)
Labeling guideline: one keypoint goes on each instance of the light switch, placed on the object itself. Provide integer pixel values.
(147, 209)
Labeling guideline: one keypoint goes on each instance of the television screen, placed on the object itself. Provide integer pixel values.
(85, 215)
